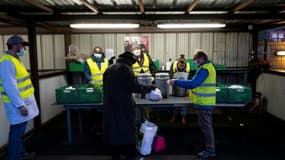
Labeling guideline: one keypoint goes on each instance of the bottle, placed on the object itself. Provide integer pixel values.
(168, 64)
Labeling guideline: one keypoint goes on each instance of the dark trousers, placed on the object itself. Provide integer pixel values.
(205, 123)
(129, 151)
(15, 146)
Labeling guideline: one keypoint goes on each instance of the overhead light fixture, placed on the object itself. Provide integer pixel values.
(104, 25)
(280, 53)
(190, 25)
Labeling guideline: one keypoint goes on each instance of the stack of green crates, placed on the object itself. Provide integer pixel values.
(66, 94)
(90, 94)
(239, 94)
(74, 66)
(222, 93)
(79, 94)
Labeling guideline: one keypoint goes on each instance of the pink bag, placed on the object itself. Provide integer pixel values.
(159, 144)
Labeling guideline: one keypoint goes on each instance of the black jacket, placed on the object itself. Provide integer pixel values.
(119, 106)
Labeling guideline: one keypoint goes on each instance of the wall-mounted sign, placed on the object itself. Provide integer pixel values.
(277, 36)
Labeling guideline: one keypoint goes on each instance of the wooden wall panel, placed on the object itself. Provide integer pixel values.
(243, 49)
(219, 48)
(159, 47)
(110, 41)
(231, 49)
(120, 43)
(97, 40)
(207, 44)
(182, 45)
(195, 43)
(170, 46)
(59, 51)
(47, 51)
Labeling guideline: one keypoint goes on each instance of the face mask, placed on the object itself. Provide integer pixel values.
(97, 55)
(195, 63)
(137, 52)
(21, 52)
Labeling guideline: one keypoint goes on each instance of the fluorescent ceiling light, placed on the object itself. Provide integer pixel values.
(104, 25)
(280, 53)
(208, 12)
(121, 13)
(164, 12)
(191, 25)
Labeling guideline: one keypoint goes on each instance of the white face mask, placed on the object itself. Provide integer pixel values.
(137, 52)
(96, 55)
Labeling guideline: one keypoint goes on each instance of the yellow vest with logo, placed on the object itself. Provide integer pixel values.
(24, 82)
(145, 67)
(205, 94)
(174, 67)
(96, 73)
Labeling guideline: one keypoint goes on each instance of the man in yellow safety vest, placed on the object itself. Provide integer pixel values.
(203, 97)
(95, 67)
(17, 94)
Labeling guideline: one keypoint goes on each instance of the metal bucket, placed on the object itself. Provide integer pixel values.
(145, 80)
(178, 91)
(161, 82)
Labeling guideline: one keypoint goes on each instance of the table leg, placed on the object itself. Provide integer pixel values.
(69, 130)
(80, 122)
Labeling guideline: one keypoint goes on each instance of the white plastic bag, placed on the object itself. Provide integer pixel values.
(148, 131)
(154, 95)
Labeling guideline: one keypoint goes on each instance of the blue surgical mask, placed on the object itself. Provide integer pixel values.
(21, 52)
(195, 63)
(137, 52)
(96, 55)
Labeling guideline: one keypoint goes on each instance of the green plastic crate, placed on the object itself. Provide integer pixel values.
(90, 94)
(156, 64)
(66, 94)
(75, 66)
(220, 67)
(222, 93)
(239, 94)
(193, 67)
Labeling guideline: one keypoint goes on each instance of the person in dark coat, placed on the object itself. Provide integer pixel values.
(119, 83)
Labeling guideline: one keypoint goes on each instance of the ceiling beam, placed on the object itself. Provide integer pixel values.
(192, 6)
(90, 6)
(11, 20)
(155, 17)
(243, 5)
(141, 5)
(39, 5)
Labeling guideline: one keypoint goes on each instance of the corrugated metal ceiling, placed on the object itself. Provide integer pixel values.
(272, 9)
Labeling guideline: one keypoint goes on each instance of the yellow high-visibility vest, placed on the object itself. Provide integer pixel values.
(174, 67)
(96, 73)
(24, 82)
(205, 95)
(145, 67)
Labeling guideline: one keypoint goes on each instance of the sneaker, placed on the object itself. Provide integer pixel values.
(206, 154)
(28, 156)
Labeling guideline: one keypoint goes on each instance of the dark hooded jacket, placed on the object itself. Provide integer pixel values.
(119, 106)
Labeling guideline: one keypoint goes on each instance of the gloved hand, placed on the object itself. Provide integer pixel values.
(153, 87)
(91, 83)
(171, 81)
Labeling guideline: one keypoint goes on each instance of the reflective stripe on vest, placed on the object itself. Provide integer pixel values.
(174, 67)
(205, 94)
(24, 82)
(96, 73)
(145, 66)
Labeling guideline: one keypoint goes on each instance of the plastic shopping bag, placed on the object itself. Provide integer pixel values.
(154, 95)
(147, 133)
